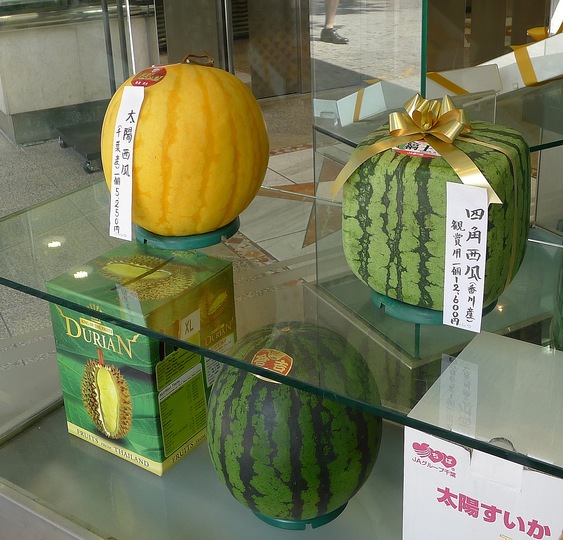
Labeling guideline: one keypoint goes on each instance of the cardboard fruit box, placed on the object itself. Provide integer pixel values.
(132, 395)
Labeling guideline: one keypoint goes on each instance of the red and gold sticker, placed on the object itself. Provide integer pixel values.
(149, 76)
(273, 360)
(417, 149)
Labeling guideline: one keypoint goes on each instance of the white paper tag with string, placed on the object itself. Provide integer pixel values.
(120, 225)
(467, 218)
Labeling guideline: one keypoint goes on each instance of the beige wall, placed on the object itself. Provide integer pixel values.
(45, 67)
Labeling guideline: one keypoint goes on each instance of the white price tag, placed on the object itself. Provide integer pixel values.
(131, 304)
(122, 162)
(467, 218)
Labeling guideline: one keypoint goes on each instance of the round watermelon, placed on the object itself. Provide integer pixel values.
(200, 150)
(291, 456)
(394, 215)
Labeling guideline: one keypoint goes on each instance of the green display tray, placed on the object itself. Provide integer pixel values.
(413, 314)
(301, 524)
(194, 241)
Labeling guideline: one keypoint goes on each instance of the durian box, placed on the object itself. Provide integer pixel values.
(130, 394)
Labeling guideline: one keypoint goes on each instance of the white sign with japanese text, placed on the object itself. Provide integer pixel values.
(452, 492)
(467, 217)
(120, 225)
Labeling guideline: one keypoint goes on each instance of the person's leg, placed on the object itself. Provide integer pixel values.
(330, 12)
(329, 33)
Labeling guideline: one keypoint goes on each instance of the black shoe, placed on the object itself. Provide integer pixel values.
(330, 35)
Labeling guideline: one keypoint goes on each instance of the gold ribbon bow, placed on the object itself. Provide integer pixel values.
(523, 61)
(439, 124)
(424, 117)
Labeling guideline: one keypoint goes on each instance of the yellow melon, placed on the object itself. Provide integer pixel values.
(200, 150)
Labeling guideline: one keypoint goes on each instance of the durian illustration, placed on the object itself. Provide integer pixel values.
(212, 304)
(151, 278)
(107, 399)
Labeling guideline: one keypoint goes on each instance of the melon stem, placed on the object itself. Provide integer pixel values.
(188, 59)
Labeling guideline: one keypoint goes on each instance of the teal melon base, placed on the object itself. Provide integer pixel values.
(194, 241)
(302, 524)
(414, 314)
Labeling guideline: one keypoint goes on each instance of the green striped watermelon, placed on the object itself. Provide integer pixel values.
(394, 225)
(289, 455)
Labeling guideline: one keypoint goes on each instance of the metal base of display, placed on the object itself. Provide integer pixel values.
(193, 241)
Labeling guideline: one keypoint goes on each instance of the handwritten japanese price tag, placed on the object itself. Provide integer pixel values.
(467, 217)
(122, 162)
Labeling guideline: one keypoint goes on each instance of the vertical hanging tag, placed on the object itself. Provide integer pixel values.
(120, 225)
(130, 304)
(467, 218)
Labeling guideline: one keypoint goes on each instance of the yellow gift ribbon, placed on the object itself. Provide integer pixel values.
(523, 61)
(360, 100)
(450, 86)
(540, 33)
(439, 124)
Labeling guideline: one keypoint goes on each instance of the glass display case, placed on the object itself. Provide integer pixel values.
(400, 50)
(67, 487)
(428, 47)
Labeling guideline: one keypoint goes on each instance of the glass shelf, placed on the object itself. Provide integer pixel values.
(394, 50)
(390, 53)
(67, 480)
(535, 112)
(405, 358)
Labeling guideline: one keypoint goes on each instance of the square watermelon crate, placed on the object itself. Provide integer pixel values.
(130, 394)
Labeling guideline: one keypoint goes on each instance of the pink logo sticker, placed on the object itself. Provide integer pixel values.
(424, 450)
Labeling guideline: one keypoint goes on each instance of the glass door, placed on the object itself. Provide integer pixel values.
(264, 42)
(60, 63)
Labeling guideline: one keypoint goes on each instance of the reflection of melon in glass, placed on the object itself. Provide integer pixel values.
(150, 277)
(132, 271)
(212, 304)
(107, 399)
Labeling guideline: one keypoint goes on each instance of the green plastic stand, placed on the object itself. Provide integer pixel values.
(194, 241)
(301, 524)
(414, 314)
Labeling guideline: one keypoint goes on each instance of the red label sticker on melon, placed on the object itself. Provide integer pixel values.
(149, 76)
(417, 149)
(273, 360)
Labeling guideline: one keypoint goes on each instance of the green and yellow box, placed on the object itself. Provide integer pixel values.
(130, 394)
